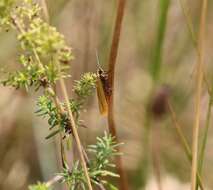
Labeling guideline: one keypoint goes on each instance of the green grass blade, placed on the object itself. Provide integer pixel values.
(156, 62)
(204, 138)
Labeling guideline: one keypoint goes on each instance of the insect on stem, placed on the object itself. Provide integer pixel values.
(103, 90)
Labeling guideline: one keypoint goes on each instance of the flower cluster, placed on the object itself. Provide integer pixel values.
(45, 55)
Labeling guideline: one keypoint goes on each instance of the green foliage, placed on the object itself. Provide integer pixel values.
(45, 55)
(5, 7)
(46, 41)
(99, 165)
(84, 87)
(31, 74)
(103, 150)
(48, 109)
(39, 186)
(44, 58)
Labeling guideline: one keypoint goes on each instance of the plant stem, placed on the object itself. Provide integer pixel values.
(156, 62)
(190, 27)
(183, 140)
(71, 117)
(54, 180)
(188, 22)
(193, 37)
(204, 139)
(199, 80)
(155, 70)
(111, 71)
(75, 133)
(180, 132)
(205, 136)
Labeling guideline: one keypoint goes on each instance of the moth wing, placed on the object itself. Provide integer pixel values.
(102, 102)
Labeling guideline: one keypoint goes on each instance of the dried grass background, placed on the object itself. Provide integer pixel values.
(25, 156)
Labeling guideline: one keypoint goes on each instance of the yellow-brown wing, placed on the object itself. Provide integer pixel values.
(102, 102)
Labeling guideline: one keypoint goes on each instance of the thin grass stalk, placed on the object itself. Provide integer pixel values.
(75, 133)
(206, 129)
(188, 22)
(199, 81)
(156, 62)
(54, 180)
(111, 72)
(204, 139)
(184, 142)
(155, 70)
(193, 36)
(205, 136)
(207, 124)
(190, 27)
(71, 117)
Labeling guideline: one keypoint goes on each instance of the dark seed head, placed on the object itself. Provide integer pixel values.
(159, 102)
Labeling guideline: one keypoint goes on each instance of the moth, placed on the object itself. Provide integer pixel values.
(103, 89)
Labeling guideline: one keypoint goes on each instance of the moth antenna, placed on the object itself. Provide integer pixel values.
(98, 61)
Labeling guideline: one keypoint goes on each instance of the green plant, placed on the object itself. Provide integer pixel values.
(156, 62)
(39, 186)
(99, 166)
(44, 59)
(199, 82)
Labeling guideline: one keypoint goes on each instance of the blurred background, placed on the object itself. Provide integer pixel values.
(156, 61)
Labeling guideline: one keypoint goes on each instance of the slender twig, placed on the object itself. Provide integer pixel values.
(205, 136)
(190, 27)
(75, 133)
(54, 180)
(183, 140)
(179, 131)
(71, 117)
(199, 81)
(191, 30)
(207, 124)
(100, 186)
(206, 129)
(188, 21)
(111, 67)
